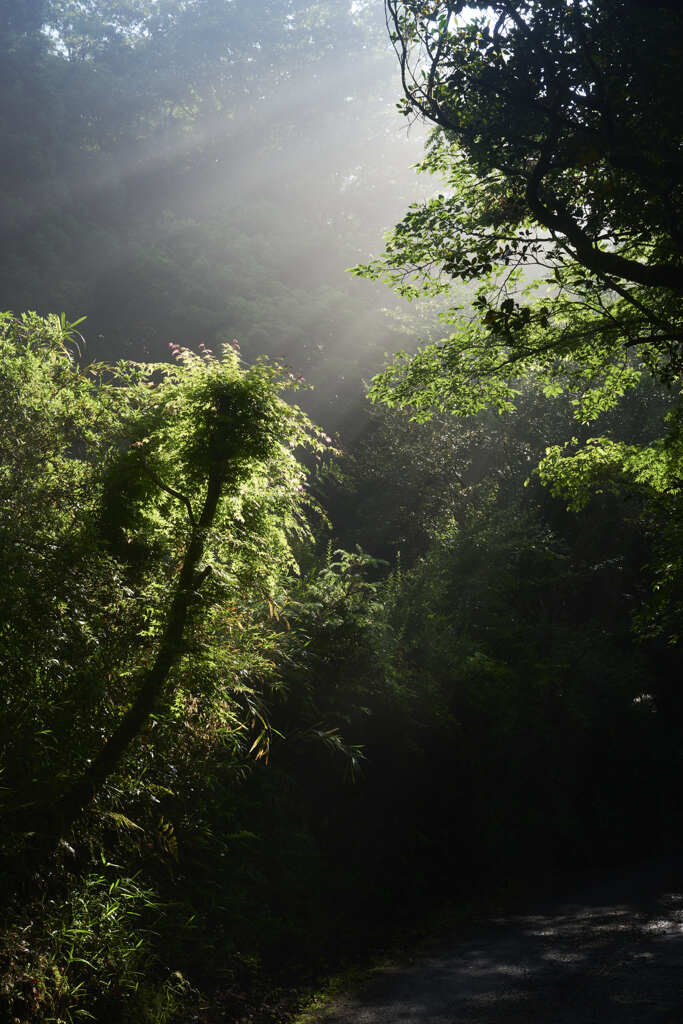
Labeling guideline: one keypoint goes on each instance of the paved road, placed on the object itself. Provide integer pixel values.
(613, 955)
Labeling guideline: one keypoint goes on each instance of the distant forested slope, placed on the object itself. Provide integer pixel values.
(198, 171)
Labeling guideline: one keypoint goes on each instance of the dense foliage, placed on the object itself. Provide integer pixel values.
(560, 152)
(147, 518)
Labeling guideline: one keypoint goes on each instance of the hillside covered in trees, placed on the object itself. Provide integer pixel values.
(327, 605)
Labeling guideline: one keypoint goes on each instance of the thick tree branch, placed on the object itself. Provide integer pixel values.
(605, 264)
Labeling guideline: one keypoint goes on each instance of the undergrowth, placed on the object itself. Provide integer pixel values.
(89, 957)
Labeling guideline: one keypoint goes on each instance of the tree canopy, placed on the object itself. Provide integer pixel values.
(559, 143)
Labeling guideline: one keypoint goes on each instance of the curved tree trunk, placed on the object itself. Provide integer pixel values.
(54, 823)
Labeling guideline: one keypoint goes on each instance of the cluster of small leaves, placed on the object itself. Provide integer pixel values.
(603, 463)
(89, 957)
(335, 621)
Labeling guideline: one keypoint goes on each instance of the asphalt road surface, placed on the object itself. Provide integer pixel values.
(611, 954)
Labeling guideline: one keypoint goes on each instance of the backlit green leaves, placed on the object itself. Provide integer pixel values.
(557, 155)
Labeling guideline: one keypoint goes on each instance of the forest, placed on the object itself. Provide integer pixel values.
(341, 482)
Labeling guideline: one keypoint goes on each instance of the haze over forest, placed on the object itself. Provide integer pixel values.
(291, 675)
(195, 172)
